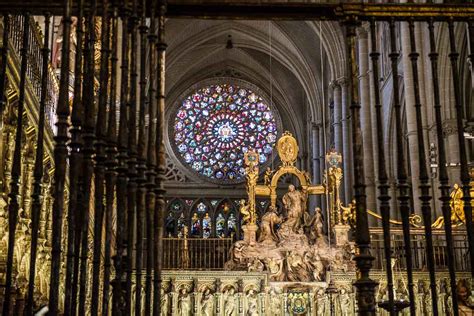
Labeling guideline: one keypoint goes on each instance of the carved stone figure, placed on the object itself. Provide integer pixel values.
(345, 303)
(275, 303)
(463, 298)
(275, 266)
(297, 270)
(313, 263)
(428, 304)
(449, 305)
(184, 303)
(295, 205)
(164, 303)
(256, 266)
(314, 226)
(267, 226)
(322, 302)
(230, 306)
(207, 303)
(252, 303)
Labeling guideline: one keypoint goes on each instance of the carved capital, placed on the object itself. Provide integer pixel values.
(315, 125)
(343, 81)
(333, 84)
(449, 127)
(362, 31)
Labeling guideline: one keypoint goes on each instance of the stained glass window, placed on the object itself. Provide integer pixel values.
(206, 226)
(220, 226)
(231, 224)
(217, 124)
(195, 226)
(201, 207)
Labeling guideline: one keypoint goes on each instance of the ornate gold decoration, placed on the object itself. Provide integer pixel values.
(251, 169)
(247, 215)
(457, 212)
(287, 149)
(457, 208)
(334, 177)
(288, 152)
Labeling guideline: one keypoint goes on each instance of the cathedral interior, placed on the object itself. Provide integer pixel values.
(221, 157)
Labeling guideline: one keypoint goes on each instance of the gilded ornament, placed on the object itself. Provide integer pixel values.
(287, 149)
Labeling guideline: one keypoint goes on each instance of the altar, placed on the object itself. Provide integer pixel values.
(293, 243)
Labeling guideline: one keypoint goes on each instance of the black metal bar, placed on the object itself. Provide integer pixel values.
(160, 154)
(453, 56)
(88, 151)
(60, 154)
(318, 11)
(364, 285)
(3, 66)
(402, 184)
(100, 157)
(425, 187)
(464, 169)
(36, 196)
(111, 162)
(383, 187)
(281, 11)
(151, 163)
(141, 166)
(465, 178)
(14, 193)
(75, 161)
(122, 181)
(132, 152)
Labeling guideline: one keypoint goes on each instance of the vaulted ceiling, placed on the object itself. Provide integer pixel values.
(286, 59)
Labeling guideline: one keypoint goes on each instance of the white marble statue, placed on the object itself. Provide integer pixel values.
(230, 306)
(184, 303)
(345, 303)
(252, 303)
(275, 303)
(322, 303)
(207, 303)
(164, 304)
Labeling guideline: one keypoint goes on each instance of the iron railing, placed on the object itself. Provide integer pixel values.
(35, 60)
(196, 254)
(418, 250)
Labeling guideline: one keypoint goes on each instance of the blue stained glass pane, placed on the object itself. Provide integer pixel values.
(201, 207)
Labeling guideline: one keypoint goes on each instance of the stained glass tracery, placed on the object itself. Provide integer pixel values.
(217, 124)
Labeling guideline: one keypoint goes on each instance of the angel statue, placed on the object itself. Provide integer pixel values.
(248, 215)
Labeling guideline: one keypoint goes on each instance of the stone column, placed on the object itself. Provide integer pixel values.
(337, 118)
(426, 87)
(322, 165)
(366, 124)
(316, 160)
(413, 154)
(375, 131)
(347, 142)
(452, 150)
